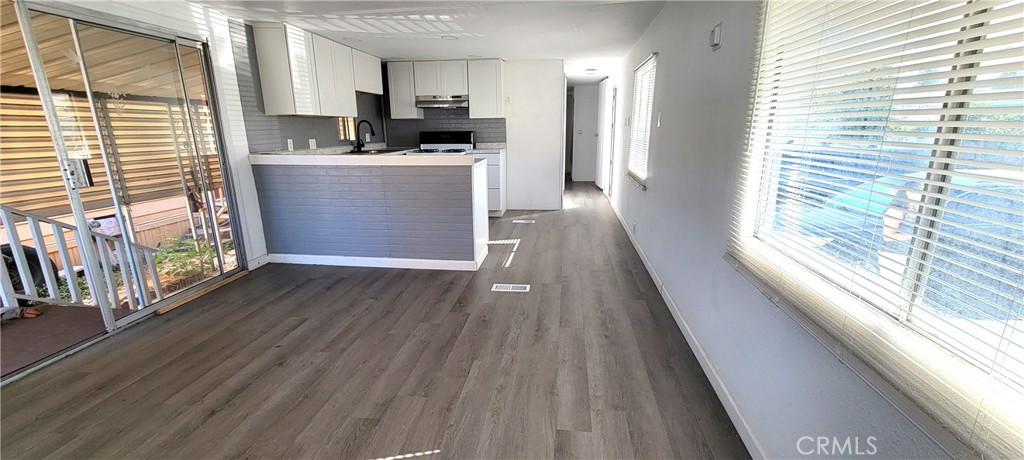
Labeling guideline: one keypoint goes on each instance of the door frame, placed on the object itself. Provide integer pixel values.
(90, 256)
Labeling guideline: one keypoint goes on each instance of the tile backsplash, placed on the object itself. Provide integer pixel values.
(406, 132)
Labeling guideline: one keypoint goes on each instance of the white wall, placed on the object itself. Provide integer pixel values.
(776, 380)
(584, 134)
(196, 21)
(535, 126)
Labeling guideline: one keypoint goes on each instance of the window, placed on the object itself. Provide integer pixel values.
(885, 161)
(640, 131)
(347, 129)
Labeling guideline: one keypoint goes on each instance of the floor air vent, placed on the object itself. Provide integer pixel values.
(523, 221)
(510, 287)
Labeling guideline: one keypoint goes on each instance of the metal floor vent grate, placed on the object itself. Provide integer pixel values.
(499, 287)
(524, 221)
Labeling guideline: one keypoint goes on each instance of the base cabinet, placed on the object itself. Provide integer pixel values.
(496, 184)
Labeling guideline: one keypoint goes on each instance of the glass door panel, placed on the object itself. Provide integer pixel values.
(148, 131)
(205, 130)
(42, 255)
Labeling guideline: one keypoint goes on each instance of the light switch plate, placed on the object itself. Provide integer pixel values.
(291, 145)
(312, 143)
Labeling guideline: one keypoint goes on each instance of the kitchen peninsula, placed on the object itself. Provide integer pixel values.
(373, 210)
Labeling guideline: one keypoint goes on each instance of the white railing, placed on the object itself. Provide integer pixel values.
(62, 288)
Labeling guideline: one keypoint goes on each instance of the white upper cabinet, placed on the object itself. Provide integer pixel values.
(302, 73)
(367, 71)
(441, 78)
(428, 78)
(344, 81)
(402, 91)
(454, 78)
(327, 84)
(486, 88)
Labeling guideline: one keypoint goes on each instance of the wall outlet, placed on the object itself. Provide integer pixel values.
(291, 145)
(367, 136)
(312, 143)
(634, 227)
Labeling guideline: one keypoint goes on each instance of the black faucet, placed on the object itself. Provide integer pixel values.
(359, 139)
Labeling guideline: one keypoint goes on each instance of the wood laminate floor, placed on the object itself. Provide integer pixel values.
(334, 362)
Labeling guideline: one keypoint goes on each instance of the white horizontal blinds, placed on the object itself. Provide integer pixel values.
(640, 129)
(889, 142)
(31, 179)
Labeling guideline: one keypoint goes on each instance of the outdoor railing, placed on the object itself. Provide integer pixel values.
(62, 287)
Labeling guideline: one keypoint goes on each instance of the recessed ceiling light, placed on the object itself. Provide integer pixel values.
(449, 37)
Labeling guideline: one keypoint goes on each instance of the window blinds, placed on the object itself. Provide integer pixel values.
(640, 129)
(886, 161)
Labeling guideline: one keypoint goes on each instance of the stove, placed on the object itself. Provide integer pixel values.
(445, 142)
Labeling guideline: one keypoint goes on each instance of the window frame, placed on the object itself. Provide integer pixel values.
(879, 340)
(640, 177)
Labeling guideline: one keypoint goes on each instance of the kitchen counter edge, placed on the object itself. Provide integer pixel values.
(363, 160)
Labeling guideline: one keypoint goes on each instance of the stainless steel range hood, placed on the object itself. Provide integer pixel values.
(445, 102)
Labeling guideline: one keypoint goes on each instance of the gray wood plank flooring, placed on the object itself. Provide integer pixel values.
(338, 362)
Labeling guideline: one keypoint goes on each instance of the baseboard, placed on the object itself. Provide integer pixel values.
(721, 389)
(377, 262)
(258, 262)
(480, 257)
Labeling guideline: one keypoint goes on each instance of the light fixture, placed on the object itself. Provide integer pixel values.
(591, 70)
(350, 39)
(449, 37)
(473, 55)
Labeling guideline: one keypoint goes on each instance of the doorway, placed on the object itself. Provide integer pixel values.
(112, 179)
(585, 133)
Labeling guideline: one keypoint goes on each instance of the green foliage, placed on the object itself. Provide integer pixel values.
(185, 257)
(64, 290)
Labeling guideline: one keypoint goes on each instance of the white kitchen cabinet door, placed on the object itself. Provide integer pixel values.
(327, 90)
(486, 89)
(402, 91)
(428, 78)
(454, 78)
(303, 73)
(344, 81)
(276, 80)
(367, 72)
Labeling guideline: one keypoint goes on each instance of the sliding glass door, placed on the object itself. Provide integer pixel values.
(136, 120)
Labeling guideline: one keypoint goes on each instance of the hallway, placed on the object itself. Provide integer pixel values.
(334, 362)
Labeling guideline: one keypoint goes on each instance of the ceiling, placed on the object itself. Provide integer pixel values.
(586, 34)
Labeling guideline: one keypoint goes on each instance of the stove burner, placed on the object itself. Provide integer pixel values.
(454, 150)
(426, 151)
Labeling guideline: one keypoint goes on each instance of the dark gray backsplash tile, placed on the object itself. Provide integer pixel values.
(406, 132)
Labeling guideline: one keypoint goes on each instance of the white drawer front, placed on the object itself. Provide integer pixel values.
(493, 199)
(494, 176)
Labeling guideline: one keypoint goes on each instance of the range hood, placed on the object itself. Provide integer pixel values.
(446, 102)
